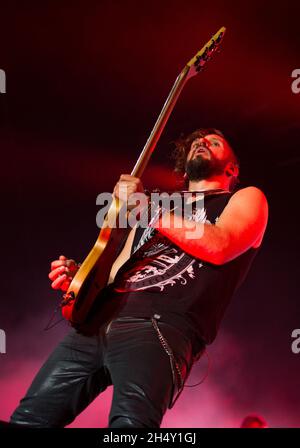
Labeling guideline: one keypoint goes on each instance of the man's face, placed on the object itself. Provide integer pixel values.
(208, 156)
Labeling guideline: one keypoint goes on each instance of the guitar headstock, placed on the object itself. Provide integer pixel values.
(197, 63)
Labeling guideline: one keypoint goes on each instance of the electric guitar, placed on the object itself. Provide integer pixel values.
(93, 274)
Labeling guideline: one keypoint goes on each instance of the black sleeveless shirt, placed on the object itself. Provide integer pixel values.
(162, 280)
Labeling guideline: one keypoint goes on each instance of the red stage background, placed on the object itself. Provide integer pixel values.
(85, 82)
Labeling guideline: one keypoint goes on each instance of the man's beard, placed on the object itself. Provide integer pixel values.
(202, 168)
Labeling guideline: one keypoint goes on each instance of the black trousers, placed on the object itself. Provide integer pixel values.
(127, 354)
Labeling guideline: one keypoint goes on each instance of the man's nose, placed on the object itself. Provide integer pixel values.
(203, 141)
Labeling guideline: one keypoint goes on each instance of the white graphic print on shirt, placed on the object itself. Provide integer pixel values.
(158, 263)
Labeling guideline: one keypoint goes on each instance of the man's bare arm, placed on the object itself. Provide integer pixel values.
(240, 226)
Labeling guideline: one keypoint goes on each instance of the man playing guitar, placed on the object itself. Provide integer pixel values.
(168, 292)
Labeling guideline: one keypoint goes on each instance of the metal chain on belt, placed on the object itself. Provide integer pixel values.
(173, 362)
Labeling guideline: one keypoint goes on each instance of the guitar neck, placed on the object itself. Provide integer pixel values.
(160, 124)
(194, 66)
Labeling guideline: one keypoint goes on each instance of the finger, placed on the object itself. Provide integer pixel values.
(127, 177)
(56, 272)
(57, 263)
(62, 282)
(129, 182)
(126, 188)
(59, 281)
(124, 184)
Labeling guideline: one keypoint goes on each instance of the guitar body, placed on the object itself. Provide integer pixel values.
(94, 272)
